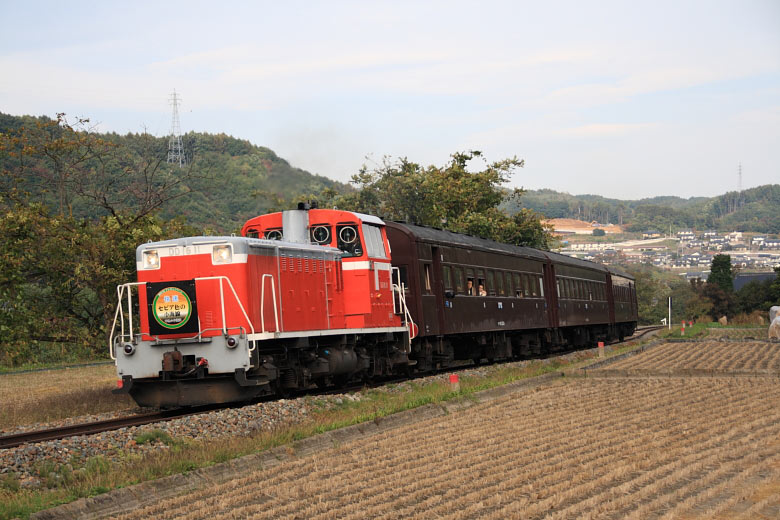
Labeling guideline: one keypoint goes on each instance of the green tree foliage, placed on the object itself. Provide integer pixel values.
(654, 286)
(448, 196)
(599, 232)
(59, 271)
(759, 296)
(720, 273)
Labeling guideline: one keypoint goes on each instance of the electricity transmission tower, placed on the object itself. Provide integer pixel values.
(175, 148)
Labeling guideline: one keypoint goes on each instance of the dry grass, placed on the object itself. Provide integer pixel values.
(585, 449)
(706, 355)
(49, 395)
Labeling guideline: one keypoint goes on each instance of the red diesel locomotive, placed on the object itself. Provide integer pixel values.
(320, 297)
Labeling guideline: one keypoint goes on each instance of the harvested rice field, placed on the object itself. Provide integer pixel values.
(715, 356)
(48, 395)
(738, 333)
(579, 448)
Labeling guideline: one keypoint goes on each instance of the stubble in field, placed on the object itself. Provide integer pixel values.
(715, 356)
(628, 448)
(49, 395)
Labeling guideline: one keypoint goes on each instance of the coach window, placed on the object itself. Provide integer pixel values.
(500, 283)
(447, 272)
(471, 283)
(518, 285)
(491, 283)
(427, 277)
(459, 285)
(532, 283)
(541, 286)
(481, 289)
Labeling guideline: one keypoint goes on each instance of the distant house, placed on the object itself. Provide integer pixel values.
(771, 244)
(709, 234)
(651, 234)
(758, 240)
(686, 234)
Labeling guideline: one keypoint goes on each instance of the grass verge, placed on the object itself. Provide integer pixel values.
(67, 483)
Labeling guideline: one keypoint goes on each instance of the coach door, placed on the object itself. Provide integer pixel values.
(438, 289)
(552, 295)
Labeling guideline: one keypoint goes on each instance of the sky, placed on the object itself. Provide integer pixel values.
(626, 99)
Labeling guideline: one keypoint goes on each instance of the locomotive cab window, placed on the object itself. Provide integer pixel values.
(321, 234)
(252, 233)
(349, 240)
(273, 234)
(375, 245)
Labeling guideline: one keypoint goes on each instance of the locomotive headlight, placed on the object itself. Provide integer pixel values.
(222, 255)
(151, 259)
(128, 349)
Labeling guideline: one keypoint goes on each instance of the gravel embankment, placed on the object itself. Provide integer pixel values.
(32, 463)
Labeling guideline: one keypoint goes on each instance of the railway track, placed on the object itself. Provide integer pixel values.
(18, 439)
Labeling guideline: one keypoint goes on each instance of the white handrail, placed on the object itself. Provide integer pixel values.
(120, 290)
(118, 314)
(408, 321)
(262, 302)
(222, 300)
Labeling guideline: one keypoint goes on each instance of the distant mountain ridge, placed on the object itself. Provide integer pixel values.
(243, 180)
(756, 209)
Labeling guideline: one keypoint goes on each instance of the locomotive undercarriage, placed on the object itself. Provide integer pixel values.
(282, 367)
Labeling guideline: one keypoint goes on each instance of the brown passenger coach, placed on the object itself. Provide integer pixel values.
(473, 298)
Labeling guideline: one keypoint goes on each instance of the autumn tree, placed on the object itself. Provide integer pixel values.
(59, 270)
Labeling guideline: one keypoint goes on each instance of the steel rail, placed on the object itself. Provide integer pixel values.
(18, 439)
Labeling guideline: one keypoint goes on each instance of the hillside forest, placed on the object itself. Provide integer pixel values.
(752, 210)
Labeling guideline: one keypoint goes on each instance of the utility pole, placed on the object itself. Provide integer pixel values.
(175, 148)
(739, 186)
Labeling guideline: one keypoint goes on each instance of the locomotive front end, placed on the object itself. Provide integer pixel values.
(182, 335)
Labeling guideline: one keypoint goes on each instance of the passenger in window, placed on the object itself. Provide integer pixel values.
(470, 287)
(482, 291)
